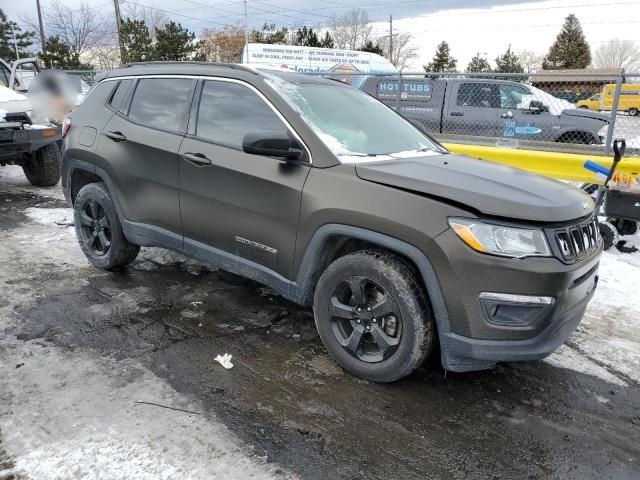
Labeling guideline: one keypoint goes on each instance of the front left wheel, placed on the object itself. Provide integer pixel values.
(373, 316)
(98, 229)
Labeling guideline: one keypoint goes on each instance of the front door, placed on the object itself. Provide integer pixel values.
(517, 120)
(231, 201)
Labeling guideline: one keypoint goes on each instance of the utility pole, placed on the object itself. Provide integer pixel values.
(42, 37)
(390, 38)
(246, 34)
(123, 54)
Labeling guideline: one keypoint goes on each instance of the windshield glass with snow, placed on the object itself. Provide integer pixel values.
(351, 123)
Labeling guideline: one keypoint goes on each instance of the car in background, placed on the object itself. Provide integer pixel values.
(629, 99)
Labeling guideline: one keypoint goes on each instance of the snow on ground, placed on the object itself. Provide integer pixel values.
(608, 339)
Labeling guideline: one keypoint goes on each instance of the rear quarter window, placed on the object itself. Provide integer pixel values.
(162, 103)
(119, 97)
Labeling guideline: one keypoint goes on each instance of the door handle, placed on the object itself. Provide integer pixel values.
(457, 114)
(198, 159)
(116, 136)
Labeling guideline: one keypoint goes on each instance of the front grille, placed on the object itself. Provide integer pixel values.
(577, 241)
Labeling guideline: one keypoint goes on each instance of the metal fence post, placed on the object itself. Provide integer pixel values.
(398, 94)
(614, 114)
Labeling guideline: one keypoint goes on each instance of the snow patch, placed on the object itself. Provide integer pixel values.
(567, 358)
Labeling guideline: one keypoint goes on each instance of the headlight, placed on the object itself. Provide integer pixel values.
(500, 239)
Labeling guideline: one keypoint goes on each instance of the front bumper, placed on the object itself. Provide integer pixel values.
(477, 339)
(14, 142)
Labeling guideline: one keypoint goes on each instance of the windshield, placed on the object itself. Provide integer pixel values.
(350, 122)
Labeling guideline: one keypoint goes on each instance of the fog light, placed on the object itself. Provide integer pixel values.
(514, 310)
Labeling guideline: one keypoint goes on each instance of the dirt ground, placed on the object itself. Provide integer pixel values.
(112, 376)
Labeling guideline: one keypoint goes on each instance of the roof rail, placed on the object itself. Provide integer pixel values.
(236, 66)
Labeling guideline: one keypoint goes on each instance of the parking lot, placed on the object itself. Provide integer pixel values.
(112, 375)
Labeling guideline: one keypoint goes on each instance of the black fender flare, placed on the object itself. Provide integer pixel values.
(312, 256)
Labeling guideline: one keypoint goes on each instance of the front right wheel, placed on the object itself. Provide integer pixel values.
(373, 315)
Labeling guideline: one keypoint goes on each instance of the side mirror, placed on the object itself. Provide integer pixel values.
(272, 144)
(536, 106)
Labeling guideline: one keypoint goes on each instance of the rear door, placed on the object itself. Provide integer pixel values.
(472, 109)
(140, 147)
(231, 201)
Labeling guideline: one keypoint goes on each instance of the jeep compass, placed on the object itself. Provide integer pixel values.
(332, 199)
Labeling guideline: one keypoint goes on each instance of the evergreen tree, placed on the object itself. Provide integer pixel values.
(442, 60)
(137, 40)
(570, 49)
(372, 48)
(57, 54)
(7, 46)
(270, 34)
(306, 37)
(508, 63)
(174, 42)
(327, 41)
(478, 64)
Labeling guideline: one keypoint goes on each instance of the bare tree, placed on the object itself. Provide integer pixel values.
(152, 17)
(617, 54)
(224, 45)
(530, 61)
(82, 29)
(351, 30)
(403, 49)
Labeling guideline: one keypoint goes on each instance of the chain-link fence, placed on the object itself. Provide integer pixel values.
(557, 111)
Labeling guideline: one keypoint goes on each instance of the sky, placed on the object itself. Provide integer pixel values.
(487, 27)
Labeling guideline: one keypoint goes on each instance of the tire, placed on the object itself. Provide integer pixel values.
(633, 111)
(43, 167)
(624, 227)
(400, 317)
(609, 235)
(98, 229)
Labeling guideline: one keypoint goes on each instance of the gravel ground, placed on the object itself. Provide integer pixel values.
(111, 375)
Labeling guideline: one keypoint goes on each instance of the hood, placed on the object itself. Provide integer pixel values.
(583, 112)
(491, 188)
(13, 102)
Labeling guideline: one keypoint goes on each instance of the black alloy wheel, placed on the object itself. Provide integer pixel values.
(95, 228)
(365, 319)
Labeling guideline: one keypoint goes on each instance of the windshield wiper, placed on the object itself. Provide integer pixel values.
(360, 154)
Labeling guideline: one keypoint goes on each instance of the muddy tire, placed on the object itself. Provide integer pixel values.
(624, 227)
(609, 235)
(43, 167)
(373, 316)
(98, 229)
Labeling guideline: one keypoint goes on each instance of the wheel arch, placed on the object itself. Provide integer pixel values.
(332, 241)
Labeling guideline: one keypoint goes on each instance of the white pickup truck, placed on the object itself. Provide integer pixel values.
(33, 146)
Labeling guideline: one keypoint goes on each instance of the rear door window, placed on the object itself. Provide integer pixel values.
(477, 94)
(228, 111)
(162, 103)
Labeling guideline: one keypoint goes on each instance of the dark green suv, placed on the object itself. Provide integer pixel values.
(329, 197)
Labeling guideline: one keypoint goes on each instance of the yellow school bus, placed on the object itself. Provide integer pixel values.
(629, 99)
